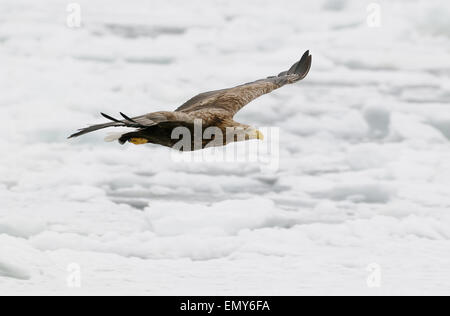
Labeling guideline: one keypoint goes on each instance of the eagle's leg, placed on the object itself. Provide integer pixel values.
(149, 135)
(137, 137)
(138, 141)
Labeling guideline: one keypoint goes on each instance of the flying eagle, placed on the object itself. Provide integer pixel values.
(213, 109)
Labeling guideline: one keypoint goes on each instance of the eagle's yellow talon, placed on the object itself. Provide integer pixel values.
(138, 141)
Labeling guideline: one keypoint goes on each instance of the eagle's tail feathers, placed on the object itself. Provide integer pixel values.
(112, 137)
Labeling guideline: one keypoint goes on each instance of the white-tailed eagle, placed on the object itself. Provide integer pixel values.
(214, 109)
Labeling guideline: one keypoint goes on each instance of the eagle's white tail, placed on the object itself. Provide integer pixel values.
(112, 137)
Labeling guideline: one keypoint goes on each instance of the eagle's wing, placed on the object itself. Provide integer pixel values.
(139, 122)
(231, 100)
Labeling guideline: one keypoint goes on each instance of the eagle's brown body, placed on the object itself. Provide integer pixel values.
(210, 110)
(162, 134)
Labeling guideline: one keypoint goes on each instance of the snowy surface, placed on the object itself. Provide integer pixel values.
(364, 172)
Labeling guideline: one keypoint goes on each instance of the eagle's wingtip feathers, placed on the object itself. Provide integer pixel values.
(300, 68)
(304, 65)
(74, 135)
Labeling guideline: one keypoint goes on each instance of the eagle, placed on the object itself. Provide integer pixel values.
(209, 114)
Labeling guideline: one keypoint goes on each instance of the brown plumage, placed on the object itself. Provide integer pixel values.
(213, 109)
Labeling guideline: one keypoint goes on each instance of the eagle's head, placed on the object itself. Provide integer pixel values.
(253, 133)
(242, 133)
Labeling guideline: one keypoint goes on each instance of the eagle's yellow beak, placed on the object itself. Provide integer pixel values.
(254, 134)
(259, 135)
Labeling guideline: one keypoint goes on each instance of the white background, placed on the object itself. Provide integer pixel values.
(364, 171)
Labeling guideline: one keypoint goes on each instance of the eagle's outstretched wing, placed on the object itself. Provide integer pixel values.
(143, 121)
(231, 100)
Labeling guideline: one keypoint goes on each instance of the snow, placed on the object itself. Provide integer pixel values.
(362, 177)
